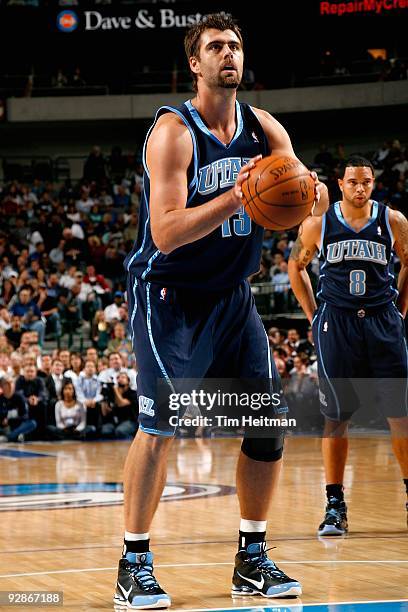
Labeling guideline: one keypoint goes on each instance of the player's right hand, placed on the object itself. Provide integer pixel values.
(242, 176)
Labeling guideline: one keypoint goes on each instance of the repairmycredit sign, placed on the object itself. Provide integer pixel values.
(361, 7)
(143, 19)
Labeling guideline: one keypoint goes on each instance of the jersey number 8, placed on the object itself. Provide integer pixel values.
(357, 282)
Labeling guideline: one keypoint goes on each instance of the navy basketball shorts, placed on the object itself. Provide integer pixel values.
(362, 361)
(180, 334)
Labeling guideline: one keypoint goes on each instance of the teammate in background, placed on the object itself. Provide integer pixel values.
(191, 311)
(358, 328)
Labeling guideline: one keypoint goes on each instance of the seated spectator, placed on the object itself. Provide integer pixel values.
(121, 197)
(5, 365)
(98, 283)
(48, 304)
(4, 319)
(307, 346)
(15, 423)
(70, 417)
(292, 340)
(76, 367)
(7, 291)
(277, 259)
(70, 309)
(46, 365)
(301, 390)
(29, 312)
(77, 79)
(120, 343)
(68, 279)
(14, 333)
(65, 356)
(54, 381)
(110, 374)
(59, 80)
(120, 411)
(91, 354)
(74, 248)
(281, 286)
(95, 165)
(130, 232)
(100, 331)
(113, 312)
(88, 388)
(16, 364)
(5, 346)
(85, 203)
(57, 253)
(263, 275)
(33, 390)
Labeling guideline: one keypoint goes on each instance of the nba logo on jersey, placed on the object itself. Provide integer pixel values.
(163, 294)
(145, 405)
(255, 137)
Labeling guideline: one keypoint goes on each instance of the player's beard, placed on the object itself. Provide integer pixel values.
(229, 82)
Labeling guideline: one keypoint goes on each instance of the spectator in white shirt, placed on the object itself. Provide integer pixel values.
(70, 416)
(111, 373)
(113, 311)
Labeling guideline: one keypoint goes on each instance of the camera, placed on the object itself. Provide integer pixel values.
(108, 393)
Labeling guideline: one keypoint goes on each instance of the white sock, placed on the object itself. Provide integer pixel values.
(133, 537)
(252, 526)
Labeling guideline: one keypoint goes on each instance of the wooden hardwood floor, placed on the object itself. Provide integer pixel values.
(75, 547)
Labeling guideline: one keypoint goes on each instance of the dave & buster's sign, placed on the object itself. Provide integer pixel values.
(88, 21)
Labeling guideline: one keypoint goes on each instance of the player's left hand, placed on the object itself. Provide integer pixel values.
(321, 203)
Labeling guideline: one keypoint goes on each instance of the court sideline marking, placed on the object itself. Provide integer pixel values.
(296, 605)
(106, 569)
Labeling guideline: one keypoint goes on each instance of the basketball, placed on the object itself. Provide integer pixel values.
(279, 192)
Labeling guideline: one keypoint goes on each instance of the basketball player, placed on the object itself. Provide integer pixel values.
(358, 328)
(190, 307)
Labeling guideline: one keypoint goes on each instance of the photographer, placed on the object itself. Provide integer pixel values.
(14, 421)
(119, 408)
(115, 368)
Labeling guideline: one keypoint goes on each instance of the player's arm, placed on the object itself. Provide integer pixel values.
(169, 154)
(399, 227)
(280, 144)
(301, 255)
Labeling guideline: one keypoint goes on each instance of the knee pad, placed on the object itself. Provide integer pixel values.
(263, 449)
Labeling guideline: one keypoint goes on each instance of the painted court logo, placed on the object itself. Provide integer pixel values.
(67, 21)
(51, 496)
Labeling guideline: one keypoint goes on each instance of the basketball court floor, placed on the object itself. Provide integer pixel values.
(61, 526)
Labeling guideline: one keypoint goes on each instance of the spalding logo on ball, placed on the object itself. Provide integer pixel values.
(279, 192)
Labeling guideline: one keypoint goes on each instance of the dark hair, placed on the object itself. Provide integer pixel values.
(25, 288)
(65, 383)
(356, 161)
(218, 21)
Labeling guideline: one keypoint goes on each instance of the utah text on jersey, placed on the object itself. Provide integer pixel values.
(219, 174)
(357, 250)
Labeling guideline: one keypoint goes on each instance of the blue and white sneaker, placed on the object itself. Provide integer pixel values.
(137, 588)
(335, 520)
(256, 574)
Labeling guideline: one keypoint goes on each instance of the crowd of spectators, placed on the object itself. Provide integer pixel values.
(65, 395)
(62, 248)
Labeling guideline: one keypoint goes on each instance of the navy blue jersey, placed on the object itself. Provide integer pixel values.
(356, 268)
(232, 252)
